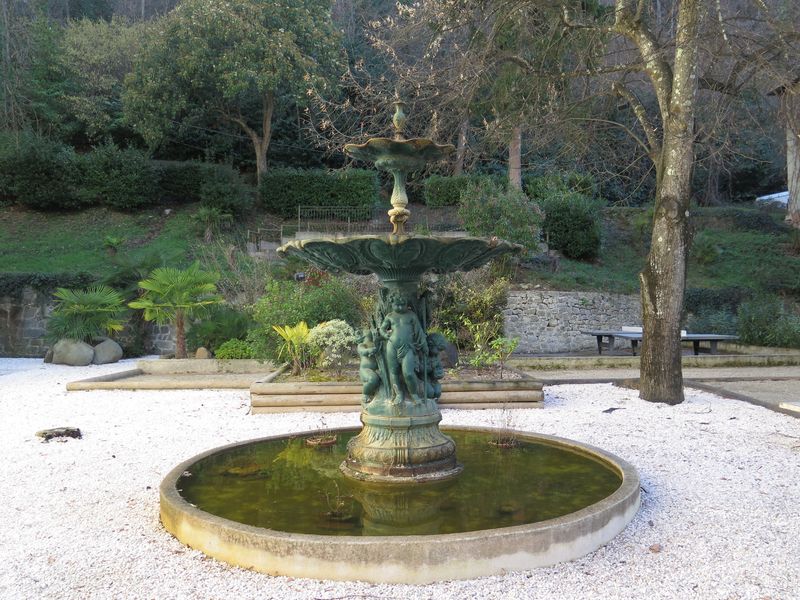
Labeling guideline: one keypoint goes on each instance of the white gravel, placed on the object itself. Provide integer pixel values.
(720, 514)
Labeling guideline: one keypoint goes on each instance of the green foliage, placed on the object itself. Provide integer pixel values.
(210, 220)
(482, 334)
(283, 190)
(704, 251)
(489, 209)
(333, 342)
(180, 181)
(83, 315)
(295, 346)
(764, 321)
(292, 302)
(540, 187)
(234, 349)
(697, 299)
(123, 179)
(38, 173)
(709, 320)
(168, 291)
(439, 190)
(12, 284)
(221, 323)
(477, 297)
(223, 189)
(572, 225)
(756, 220)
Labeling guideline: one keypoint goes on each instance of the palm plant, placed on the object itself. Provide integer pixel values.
(295, 344)
(86, 314)
(170, 296)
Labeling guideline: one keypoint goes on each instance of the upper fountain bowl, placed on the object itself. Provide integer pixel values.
(398, 154)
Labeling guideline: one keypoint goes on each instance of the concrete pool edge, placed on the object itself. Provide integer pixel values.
(406, 559)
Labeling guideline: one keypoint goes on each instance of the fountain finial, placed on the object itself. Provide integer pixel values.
(399, 119)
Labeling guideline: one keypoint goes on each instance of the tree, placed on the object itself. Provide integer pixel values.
(170, 296)
(238, 61)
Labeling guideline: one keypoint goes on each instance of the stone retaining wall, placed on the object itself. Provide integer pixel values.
(23, 322)
(548, 322)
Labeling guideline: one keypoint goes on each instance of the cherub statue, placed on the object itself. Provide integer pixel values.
(405, 341)
(436, 343)
(368, 369)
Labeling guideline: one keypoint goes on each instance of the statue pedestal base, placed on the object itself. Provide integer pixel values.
(401, 449)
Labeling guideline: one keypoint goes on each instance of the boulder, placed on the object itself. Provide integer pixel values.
(59, 432)
(107, 351)
(48, 357)
(449, 356)
(202, 353)
(70, 352)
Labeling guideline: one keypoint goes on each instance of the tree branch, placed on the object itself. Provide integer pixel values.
(650, 131)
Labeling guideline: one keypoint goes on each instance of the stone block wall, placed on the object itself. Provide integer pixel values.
(23, 323)
(551, 322)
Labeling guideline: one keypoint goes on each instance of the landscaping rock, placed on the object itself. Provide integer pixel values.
(107, 351)
(58, 432)
(70, 352)
(48, 357)
(202, 353)
(449, 356)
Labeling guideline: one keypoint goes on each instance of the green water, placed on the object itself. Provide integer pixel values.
(288, 486)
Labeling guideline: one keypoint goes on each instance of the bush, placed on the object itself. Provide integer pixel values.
(709, 320)
(763, 321)
(180, 181)
(122, 179)
(12, 284)
(697, 300)
(441, 191)
(221, 324)
(541, 187)
(572, 225)
(489, 209)
(289, 302)
(234, 349)
(333, 341)
(223, 189)
(283, 190)
(84, 315)
(38, 173)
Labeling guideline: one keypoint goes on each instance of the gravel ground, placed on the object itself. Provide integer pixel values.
(720, 514)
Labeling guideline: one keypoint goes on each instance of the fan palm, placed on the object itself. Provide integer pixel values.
(86, 314)
(170, 296)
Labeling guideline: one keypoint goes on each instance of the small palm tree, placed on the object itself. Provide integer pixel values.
(85, 314)
(172, 296)
(295, 344)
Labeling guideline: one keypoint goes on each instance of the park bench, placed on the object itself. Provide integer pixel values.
(605, 339)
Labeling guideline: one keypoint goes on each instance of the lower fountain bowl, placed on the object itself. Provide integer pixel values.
(397, 550)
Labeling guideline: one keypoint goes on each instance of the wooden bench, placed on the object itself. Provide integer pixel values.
(605, 339)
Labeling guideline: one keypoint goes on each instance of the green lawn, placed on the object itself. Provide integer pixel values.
(71, 242)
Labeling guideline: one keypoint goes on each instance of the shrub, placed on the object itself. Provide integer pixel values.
(441, 191)
(234, 349)
(295, 345)
(291, 302)
(124, 179)
(333, 341)
(540, 187)
(12, 284)
(223, 189)
(283, 190)
(709, 320)
(698, 300)
(489, 209)
(703, 250)
(38, 173)
(572, 225)
(181, 181)
(210, 220)
(83, 315)
(222, 323)
(763, 321)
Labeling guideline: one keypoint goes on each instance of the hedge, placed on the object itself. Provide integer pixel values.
(11, 284)
(572, 224)
(124, 179)
(439, 190)
(180, 181)
(283, 190)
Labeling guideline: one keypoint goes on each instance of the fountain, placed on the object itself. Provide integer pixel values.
(401, 506)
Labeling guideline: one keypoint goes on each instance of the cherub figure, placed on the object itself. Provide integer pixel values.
(368, 369)
(405, 340)
(436, 343)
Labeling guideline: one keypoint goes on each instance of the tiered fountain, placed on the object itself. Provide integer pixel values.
(401, 506)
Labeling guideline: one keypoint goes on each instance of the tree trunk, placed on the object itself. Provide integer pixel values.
(461, 148)
(515, 158)
(663, 279)
(792, 159)
(180, 334)
(260, 140)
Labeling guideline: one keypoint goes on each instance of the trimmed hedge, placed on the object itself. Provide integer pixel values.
(38, 173)
(572, 224)
(180, 181)
(11, 284)
(439, 190)
(283, 190)
(124, 179)
(223, 188)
